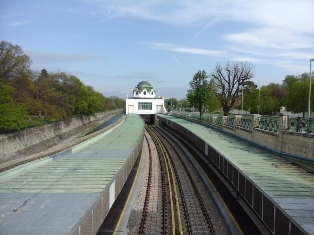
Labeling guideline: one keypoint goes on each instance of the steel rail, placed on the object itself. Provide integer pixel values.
(194, 187)
(173, 195)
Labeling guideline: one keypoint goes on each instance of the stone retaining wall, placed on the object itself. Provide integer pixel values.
(36, 139)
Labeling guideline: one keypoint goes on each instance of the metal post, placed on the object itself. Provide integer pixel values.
(310, 88)
(242, 102)
(259, 97)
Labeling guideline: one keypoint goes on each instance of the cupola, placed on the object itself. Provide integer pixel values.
(144, 90)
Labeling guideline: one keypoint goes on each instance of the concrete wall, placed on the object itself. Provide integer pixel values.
(283, 141)
(295, 144)
(36, 139)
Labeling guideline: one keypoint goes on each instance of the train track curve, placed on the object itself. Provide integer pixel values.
(173, 199)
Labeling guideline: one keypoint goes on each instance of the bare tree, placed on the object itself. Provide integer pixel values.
(229, 81)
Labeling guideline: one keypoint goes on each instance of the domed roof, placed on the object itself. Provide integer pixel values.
(144, 90)
(143, 83)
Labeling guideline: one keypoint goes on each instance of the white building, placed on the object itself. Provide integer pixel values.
(144, 100)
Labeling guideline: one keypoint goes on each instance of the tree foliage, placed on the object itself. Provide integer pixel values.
(170, 104)
(199, 92)
(183, 104)
(13, 62)
(251, 100)
(298, 95)
(50, 96)
(13, 115)
(229, 80)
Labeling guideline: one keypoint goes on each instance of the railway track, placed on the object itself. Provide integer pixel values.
(173, 199)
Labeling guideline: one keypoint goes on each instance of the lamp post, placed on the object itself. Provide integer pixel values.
(259, 97)
(242, 102)
(310, 88)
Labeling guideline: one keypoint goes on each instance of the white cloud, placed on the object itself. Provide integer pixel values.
(173, 12)
(271, 38)
(270, 27)
(184, 49)
(17, 23)
(235, 49)
(291, 15)
(296, 16)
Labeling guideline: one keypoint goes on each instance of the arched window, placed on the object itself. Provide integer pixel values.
(144, 92)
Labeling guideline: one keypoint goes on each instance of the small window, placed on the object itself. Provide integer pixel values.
(152, 93)
(144, 92)
(137, 92)
(145, 106)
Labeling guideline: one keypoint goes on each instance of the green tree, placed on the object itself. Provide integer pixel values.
(174, 103)
(170, 103)
(13, 116)
(279, 93)
(183, 104)
(267, 102)
(51, 101)
(118, 102)
(251, 101)
(199, 93)
(298, 95)
(93, 101)
(212, 104)
(250, 97)
(229, 80)
(54, 96)
(289, 80)
(15, 71)
(13, 62)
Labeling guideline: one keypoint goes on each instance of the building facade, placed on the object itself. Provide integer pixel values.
(144, 100)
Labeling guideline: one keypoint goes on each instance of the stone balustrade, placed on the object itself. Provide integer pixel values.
(299, 124)
(282, 134)
(269, 123)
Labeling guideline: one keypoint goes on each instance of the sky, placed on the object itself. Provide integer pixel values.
(113, 45)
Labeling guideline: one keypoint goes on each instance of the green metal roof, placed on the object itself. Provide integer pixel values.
(288, 185)
(59, 190)
(143, 83)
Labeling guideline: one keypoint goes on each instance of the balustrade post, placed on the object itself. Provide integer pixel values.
(283, 125)
(224, 120)
(256, 120)
(283, 122)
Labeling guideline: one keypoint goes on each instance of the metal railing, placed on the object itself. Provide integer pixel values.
(231, 121)
(218, 121)
(299, 124)
(207, 119)
(269, 123)
(247, 122)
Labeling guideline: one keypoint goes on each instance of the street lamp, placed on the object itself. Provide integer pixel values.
(259, 97)
(309, 108)
(242, 102)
